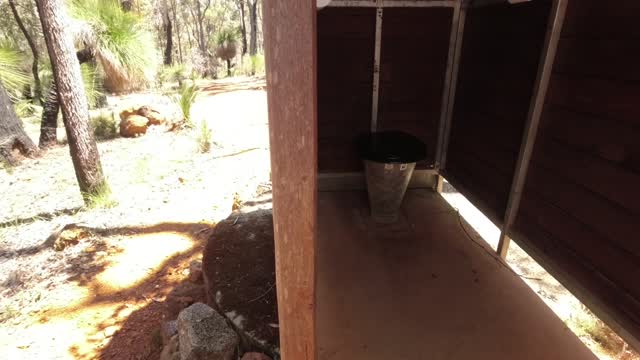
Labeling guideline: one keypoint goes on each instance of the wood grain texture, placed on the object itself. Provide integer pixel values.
(346, 38)
(581, 203)
(290, 49)
(415, 46)
(499, 63)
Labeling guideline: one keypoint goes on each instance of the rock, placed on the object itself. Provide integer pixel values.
(133, 125)
(171, 351)
(239, 273)
(205, 335)
(157, 115)
(255, 356)
(168, 330)
(182, 296)
(195, 272)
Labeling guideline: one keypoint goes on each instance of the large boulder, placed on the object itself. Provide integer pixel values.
(239, 275)
(204, 334)
(255, 356)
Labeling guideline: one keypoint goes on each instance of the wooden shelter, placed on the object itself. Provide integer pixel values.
(529, 108)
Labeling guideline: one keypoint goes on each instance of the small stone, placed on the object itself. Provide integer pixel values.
(195, 272)
(204, 334)
(168, 330)
(255, 356)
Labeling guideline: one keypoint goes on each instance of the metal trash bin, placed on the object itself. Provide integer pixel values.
(389, 160)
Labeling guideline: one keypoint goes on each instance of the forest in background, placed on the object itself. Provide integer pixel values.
(121, 46)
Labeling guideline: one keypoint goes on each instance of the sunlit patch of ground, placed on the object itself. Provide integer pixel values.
(142, 256)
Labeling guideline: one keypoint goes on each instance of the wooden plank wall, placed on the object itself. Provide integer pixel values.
(498, 67)
(415, 46)
(290, 49)
(413, 63)
(581, 203)
(346, 39)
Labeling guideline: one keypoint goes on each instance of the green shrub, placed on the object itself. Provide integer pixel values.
(104, 126)
(25, 108)
(252, 65)
(173, 73)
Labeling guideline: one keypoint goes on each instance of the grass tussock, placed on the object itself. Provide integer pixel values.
(203, 137)
(585, 324)
(100, 198)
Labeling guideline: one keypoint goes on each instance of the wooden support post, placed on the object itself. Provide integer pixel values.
(376, 68)
(446, 92)
(290, 53)
(554, 28)
(447, 113)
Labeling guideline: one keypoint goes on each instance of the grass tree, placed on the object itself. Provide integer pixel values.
(226, 48)
(118, 40)
(75, 109)
(34, 51)
(11, 73)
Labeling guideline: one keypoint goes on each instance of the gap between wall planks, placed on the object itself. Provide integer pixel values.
(547, 58)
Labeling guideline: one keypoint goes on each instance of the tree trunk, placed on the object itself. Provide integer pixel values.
(75, 109)
(34, 51)
(51, 107)
(243, 28)
(169, 32)
(127, 5)
(177, 24)
(253, 20)
(229, 67)
(49, 122)
(12, 134)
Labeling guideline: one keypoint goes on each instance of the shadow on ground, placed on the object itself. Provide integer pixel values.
(120, 321)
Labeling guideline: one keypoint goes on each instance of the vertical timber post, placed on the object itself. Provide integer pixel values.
(447, 112)
(376, 67)
(290, 53)
(554, 28)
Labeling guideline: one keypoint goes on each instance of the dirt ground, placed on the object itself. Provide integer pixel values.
(106, 296)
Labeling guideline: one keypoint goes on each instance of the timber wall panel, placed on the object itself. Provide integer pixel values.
(581, 203)
(415, 46)
(498, 67)
(346, 39)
